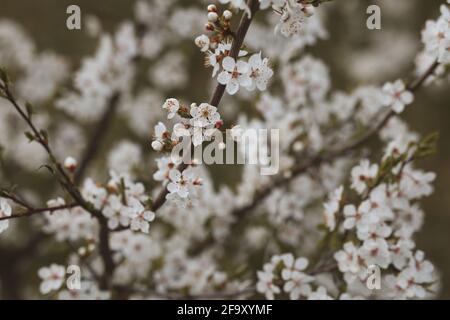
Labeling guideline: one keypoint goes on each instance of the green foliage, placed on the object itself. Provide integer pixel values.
(31, 137)
(30, 110)
(427, 146)
(4, 76)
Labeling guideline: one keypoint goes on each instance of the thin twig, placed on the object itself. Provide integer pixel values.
(99, 133)
(32, 212)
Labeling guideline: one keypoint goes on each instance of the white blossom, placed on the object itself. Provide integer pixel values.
(396, 96)
(52, 278)
(234, 75)
(259, 72)
(363, 174)
(172, 106)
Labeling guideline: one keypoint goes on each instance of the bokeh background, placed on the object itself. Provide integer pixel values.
(354, 54)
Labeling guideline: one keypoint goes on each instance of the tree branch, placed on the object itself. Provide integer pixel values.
(32, 212)
(99, 133)
(220, 88)
(104, 245)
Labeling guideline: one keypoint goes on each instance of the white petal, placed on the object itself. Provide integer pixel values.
(407, 97)
(224, 77)
(228, 64)
(242, 67)
(175, 175)
(245, 81)
(232, 87)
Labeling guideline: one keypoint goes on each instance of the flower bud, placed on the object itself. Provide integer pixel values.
(308, 10)
(227, 14)
(218, 124)
(213, 17)
(82, 251)
(157, 146)
(298, 146)
(202, 42)
(70, 164)
(209, 26)
(212, 8)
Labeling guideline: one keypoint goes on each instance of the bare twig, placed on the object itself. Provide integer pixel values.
(95, 141)
(16, 199)
(32, 212)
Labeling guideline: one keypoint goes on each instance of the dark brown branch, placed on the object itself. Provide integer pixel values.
(236, 46)
(16, 199)
(99, 133)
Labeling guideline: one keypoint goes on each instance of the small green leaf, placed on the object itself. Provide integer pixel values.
(30, 109)
(3, 76)
(30, 136)
(44, 135)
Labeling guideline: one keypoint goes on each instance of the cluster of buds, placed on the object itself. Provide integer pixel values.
(85, 251)
(219, 24)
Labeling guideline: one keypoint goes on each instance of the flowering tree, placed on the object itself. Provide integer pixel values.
(338, 209)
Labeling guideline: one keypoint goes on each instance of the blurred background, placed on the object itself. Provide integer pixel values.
(354, 54)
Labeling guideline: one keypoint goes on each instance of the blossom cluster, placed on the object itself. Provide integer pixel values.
(381, 226)
(236, 73)
(292, 13)
(330, 215)
(124, 204)
(436, 41)
(287, 275)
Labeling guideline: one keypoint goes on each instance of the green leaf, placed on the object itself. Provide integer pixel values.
(30, 109)
(3, 76)
(30, 136)
(432, 138)
(427, 146)
(44, 134)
